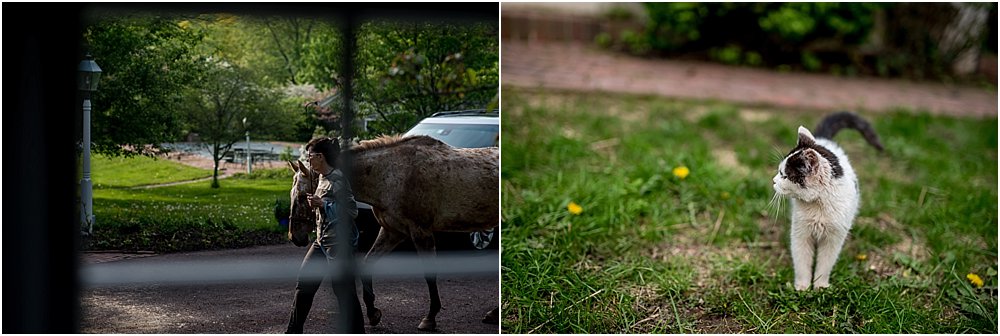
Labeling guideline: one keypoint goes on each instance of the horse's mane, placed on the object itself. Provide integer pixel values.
(395, 140)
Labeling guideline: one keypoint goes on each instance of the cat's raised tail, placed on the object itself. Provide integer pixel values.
(835, 122)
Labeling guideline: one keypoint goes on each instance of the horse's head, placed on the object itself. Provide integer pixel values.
(301, 218)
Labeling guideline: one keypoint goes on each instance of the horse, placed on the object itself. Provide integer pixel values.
(416, 185)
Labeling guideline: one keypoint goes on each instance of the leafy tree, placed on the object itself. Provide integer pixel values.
(277, 50)
(405, 71)
(409, 70)
(224, 97)
(289, 37)
(275, 47)
(146, 61)
(321, 59)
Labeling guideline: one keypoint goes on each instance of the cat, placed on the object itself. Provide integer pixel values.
(818, 178)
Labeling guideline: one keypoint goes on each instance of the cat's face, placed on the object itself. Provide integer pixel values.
(805, 168)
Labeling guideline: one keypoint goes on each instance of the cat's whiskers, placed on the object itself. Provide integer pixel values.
(774, 206)
(777, 200)
(776, 154)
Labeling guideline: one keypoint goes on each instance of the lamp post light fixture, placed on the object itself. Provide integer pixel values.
(89, 74)
(249, 162)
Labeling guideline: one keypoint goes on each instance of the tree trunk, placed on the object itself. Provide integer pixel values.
(215, 174)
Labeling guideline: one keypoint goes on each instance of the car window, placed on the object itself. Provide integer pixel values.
(459, 135)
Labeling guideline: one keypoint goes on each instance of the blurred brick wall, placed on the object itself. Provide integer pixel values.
(547, 26)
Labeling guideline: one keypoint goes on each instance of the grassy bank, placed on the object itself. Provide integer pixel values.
(183, 217)
(121, 172)
(652, 250)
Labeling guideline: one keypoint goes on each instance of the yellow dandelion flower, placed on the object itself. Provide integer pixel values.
(861, 257)
(975, 280)
(681, 172)
(574, 208)
(725, 195)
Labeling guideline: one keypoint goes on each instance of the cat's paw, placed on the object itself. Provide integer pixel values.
(799, 286)
(821, 284)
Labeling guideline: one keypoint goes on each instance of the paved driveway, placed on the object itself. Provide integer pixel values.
(578, 67)
(249, 291)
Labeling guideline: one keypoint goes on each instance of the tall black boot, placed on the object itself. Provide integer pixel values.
(300, 310)
(350, 306)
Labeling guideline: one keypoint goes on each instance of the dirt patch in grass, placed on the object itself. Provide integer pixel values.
(692, 314)
(719, 325)
(689, 243)
(883, 261)
(710, 264)
(727, 158)
(544, 99)
(630, 114)
(694, 113)
(772, 232)
(607, 148)
(755, 115)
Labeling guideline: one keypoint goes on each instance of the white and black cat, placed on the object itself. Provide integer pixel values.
(825, 196)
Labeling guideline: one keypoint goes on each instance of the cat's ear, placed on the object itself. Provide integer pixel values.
(805, 138)
(810, 160)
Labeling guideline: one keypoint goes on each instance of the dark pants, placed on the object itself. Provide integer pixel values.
(311, 273)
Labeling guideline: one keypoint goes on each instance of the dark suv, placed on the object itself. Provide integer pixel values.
(463, 129)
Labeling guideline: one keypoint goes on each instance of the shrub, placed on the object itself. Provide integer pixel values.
(177, 233)
(835, 37)
(282, 208)
(286, 154)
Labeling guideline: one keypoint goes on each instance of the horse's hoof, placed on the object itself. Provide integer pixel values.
(492, 317)
(374, 316)
(427, 325)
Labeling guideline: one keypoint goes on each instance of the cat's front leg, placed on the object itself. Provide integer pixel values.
(802, 259)
(827, 251)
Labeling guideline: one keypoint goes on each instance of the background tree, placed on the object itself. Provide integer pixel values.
(276, 49)
(307, 50)
(224, 96)
(289, 37)
(321, 59)
(146, 61)
(406, 71)
(160, 73)
(409, 70)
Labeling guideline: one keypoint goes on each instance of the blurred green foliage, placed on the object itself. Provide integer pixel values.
(883, 39)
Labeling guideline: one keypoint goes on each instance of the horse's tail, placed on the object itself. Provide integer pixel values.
(835, 122)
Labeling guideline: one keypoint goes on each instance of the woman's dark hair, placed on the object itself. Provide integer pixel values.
(329, 147)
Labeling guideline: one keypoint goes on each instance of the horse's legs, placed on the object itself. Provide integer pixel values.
(386, 241)
(423, 240)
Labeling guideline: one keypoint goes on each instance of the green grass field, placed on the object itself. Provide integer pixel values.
(189, 216)
(650, 252)
(121, 172)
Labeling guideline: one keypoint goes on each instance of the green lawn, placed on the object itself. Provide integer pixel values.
(651, 252)
(121, 172)
(189, 216)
